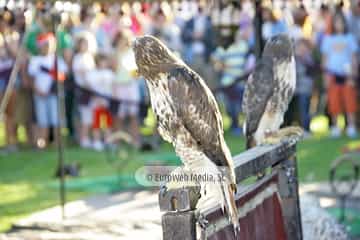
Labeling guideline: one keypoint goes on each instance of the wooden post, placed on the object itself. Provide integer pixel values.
(288, 190)
(179, 222)
(179, 225)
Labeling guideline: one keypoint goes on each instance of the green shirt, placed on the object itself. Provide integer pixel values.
(63, 39)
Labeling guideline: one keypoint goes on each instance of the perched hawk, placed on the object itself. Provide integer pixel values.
(188, 117)
(268, 93)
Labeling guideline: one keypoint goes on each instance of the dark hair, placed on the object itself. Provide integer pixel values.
(159, 13)
(7, 16)
(121, 35)
(236, 4)
(100, 57)
(335, 17)
(85, 13)
(79, 42)
(324, 7)
(270, 11)
(340, 5)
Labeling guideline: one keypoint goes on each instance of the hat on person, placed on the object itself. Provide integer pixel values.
(44, 38)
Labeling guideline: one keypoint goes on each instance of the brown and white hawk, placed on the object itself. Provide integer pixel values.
(268, 92)
(189, 118)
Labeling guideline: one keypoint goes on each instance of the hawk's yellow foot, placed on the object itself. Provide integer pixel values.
(288, 133)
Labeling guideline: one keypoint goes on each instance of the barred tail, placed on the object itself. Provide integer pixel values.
(229, 192)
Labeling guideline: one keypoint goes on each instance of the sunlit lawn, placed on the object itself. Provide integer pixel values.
(25, 176)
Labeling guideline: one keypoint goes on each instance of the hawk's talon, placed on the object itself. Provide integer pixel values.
(163, 189)
(285, 140)
(203, 222)
(285, 135)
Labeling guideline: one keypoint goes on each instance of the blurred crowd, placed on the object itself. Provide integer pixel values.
(96, 66)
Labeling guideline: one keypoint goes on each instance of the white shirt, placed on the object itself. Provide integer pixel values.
(101, 81)
(82, 63)
(126, 65)
(42, 79)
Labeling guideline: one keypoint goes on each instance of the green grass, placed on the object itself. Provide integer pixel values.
(25, 176)
(23, 179)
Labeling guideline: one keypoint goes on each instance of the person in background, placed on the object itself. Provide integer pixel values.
(25, 115)
(42, 70)
(305, 68)
(24, 96)
(231, 62)
(225, 18)
(197, 36)
(82, 63)
(321, 24)
(9, 41)
(296, 30)
(88, 29)
(339, 60)
(43, 24)
(100, 79)
(126, 87)
(353, 19)
(272, 26)
(166, 31)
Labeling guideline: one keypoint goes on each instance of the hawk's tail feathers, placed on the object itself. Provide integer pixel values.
(230, 205)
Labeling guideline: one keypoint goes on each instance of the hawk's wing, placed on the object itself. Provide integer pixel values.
(199, 112)
(259, 89)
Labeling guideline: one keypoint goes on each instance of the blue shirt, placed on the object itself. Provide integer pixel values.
(338, 50)
(270, 29)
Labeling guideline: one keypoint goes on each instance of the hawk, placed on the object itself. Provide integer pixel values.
(268, 92)
(188, 117)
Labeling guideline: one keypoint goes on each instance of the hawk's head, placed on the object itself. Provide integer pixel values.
(279, 47)
(152, 56)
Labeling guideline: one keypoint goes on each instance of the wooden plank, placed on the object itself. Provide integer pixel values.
(179, 226)
(247, 164)
(280, 157)
(219, 221)
(288, 190)
(182, 199)
(255, 160)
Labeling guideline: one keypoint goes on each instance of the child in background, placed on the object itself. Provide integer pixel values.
(9, 42)
(232, 62)
(305, 68)
(100, 79)
(126, 86)
(82, 63)
(339, 51)
(41, 69)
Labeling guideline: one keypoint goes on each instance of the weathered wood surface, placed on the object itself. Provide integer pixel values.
(288, 190)
(267, 214)
(255, 160)
(184, 199)
(279, 158)
(179, 225)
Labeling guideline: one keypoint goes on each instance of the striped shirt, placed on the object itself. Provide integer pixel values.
(234, 60)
